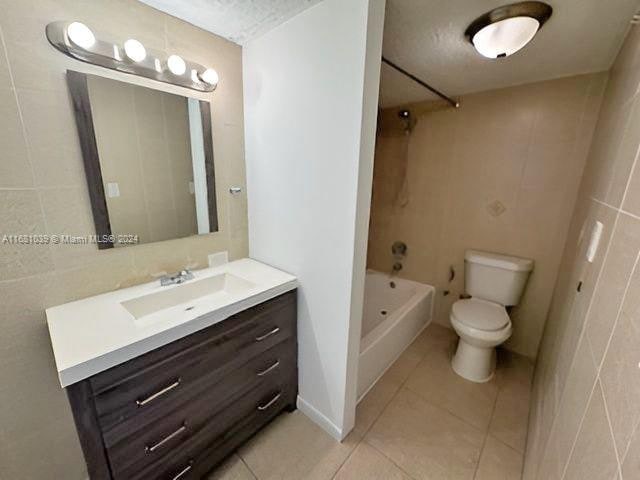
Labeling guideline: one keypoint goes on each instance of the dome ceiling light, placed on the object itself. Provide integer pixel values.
(505, 30)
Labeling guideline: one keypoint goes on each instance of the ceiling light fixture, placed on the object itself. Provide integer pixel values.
(135, 50)
(505, 30)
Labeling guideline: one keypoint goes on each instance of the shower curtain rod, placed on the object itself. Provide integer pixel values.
(453, 103)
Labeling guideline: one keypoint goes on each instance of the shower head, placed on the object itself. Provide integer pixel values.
(405, 114)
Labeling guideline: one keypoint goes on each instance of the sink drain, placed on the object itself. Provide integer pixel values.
(383, 312)
(189, 308)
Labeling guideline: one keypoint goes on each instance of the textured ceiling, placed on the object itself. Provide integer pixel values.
(426, 37)
(235, 20)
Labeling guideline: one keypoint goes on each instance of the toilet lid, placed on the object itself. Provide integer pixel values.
(480, 314)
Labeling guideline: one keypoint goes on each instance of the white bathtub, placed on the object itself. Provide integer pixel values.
(395, 312)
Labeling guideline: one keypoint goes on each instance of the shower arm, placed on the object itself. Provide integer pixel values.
(450, 100)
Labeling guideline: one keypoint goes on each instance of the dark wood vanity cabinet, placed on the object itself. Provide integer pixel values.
(177, 411)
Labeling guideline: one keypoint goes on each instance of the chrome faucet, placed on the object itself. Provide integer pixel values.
(180, 277)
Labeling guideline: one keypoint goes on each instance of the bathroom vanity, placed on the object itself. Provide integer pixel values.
(165, 382)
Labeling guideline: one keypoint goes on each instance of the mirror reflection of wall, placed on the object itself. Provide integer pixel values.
(152, 161)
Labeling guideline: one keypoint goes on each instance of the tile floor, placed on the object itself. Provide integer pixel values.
(420, 421)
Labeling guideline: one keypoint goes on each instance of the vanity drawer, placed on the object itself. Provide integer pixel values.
(221, 436)
(165, 377)
(135, 444)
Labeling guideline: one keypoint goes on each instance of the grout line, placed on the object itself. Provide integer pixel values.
(575, 440)
(486, 435)
(606, 412)
(382, 410)
(390, 460)
(618, 313)
(247, 465)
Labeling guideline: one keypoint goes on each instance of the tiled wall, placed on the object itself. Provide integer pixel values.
(43, 190)
(585, 420)
(501, 174)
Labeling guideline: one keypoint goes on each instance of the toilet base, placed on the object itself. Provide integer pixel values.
(477, 364)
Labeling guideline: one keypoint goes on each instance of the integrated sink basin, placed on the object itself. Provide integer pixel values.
(221, 285)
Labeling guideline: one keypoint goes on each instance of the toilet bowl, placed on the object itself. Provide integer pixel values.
(481, 325)
(494, 282)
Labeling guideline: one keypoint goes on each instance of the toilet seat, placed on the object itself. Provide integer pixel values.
(480, 314)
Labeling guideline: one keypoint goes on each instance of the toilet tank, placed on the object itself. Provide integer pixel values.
(494, 277)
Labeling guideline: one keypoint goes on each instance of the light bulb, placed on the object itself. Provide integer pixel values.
(81, 35)
(210, 76)
(506, 37)
(176, 65)
(135, 50)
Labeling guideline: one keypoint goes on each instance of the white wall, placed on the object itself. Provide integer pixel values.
(311, 89)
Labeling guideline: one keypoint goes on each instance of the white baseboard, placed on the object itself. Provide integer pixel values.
(319, 418)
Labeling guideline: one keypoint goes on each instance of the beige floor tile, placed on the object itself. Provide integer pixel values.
(293, 447)
(232, 469)
(426, 441)
(513, 368)
(511, 415)
(436, 382)
(499, 462)
(433, 336)
(374, 402)
(367, 463)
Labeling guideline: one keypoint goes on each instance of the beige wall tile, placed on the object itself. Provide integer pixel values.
(21, 214)
(524, 147)
(594, 455)
(590, 319)
(607, 298)
(631, 458)
(15, 169)
(619, 376)
(52, 198)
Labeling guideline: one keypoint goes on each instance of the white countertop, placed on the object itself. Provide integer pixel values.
(97, 333)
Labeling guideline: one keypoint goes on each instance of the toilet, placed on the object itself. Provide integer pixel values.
(494, 282)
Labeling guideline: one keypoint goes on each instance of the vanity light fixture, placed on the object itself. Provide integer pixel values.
(81, 35)
(176, 65)
(135, 50)
(505, 30)
(76, 40)
(210, 76)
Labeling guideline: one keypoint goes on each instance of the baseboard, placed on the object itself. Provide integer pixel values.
(319, 418)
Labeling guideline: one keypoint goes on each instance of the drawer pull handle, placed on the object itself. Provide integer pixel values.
(262, 408)
(268, 334)
(142, 403)
(272, 367)
(154, 447)
(183, 472)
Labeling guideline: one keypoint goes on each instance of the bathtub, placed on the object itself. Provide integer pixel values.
(395, 312)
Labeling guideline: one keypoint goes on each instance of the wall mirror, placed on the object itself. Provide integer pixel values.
(148, 158)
